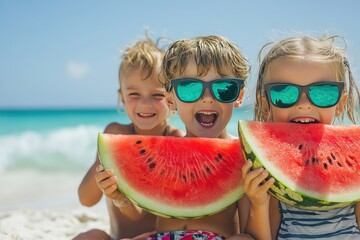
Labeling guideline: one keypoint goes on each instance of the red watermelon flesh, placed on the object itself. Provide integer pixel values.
(312, 160)
(175, 177)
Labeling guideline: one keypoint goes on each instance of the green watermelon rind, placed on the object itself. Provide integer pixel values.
(167, 211)
(283, 189)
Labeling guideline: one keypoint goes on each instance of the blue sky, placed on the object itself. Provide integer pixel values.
(65, 54)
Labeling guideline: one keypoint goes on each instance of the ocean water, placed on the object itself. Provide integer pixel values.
(64, 140)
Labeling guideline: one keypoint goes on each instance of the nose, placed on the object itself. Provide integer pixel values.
(304, 102)
(207, 97)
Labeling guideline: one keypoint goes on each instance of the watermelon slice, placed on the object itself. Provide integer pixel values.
(316, 166)
(175, 177)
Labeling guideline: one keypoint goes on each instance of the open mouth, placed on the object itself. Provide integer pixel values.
(206, 118)
(146, 115)
(305, 120)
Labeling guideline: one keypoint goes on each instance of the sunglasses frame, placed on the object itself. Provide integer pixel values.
(306, 88)
(175, 82)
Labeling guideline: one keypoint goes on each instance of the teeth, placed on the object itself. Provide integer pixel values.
(207, 124)
(146, 114)
(304, 120)
(207, 113)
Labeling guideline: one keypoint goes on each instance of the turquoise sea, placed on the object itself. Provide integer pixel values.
(64, 140)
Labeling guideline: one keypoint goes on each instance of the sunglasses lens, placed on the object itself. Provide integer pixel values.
(326, 95)
(284, 96)
(189, 91)
(225, 91)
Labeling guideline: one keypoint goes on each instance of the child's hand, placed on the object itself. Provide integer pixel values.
(255, 185)
(106, 181)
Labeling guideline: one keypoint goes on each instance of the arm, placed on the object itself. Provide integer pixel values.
(88, 191)
(275, 217)
(258, 224)
(106, 181)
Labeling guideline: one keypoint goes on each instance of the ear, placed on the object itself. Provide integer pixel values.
(238, 102)
(121, 96)
(265, 107)
(169, 98)
(340, 107)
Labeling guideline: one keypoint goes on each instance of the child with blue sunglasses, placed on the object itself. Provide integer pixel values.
(301, 80)
(204, 78)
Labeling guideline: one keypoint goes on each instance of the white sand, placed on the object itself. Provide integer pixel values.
(45, 206)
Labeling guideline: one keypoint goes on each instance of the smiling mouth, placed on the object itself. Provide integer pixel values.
(146, 115)
(206, 119)
(305, 120)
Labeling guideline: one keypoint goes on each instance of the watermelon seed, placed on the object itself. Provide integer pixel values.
(348, 163)
(307, 162)
(192, 176)
(184, 178)
(138, 142)
(151, 166)
(339, 164)
(208, 170)
(149, 160)
(325, 165)
(330, 160)
(314, 160)
(300, 146)
(142, 151)
(220, 156)
(333, 156)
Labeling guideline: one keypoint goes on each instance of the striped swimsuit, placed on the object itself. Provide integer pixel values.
(334, 224)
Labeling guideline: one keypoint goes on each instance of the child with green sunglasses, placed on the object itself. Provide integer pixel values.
(301, 80)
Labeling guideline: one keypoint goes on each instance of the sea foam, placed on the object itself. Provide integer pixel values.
(61, 149)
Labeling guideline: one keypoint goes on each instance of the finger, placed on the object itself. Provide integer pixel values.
(259, 179)
(104, 184)
(104, 174)
(266, 185)
(250, 176)
(99, 168)
(246, 167)
(110, 191)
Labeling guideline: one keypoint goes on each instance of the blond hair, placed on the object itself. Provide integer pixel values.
(144, 55)
(208, 51)
(320, 50)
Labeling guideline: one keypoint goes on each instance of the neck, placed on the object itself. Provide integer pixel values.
(159, 130)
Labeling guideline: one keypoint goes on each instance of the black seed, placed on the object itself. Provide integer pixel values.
(149, 160)
(184, 178)
(138, 142)
(142, 151)
(325, 165)
(313, 159)
(220, 156)
(348, 163)
(300, 147)
(151, 166)
(208, 170)
(333, 156)
(339, 164)
(330, 160)
(192, 176)
(307, 162)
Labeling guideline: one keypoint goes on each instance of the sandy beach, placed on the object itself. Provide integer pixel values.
(45, 207)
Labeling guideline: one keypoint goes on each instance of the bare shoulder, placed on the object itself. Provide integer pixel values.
(175, 132)
(117, 128)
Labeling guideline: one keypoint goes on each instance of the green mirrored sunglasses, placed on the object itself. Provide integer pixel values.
(323, 94)
(224, 90)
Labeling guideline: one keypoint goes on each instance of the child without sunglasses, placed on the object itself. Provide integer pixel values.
(301, 80)
(204, 78)
(143, 99)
